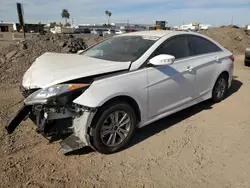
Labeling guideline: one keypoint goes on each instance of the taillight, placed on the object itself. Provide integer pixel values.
(232, 58)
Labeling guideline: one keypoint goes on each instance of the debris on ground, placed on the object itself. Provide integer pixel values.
(16, 58)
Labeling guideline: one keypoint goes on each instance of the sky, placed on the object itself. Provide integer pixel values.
(176, 12)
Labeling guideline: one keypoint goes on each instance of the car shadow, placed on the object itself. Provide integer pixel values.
(163, 124)
(81, 151)
(235, 86)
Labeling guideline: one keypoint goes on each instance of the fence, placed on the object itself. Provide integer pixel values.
(17, 36)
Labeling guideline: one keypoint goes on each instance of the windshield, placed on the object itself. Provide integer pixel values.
(122, 48)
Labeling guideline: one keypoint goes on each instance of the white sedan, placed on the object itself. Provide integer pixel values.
(100, 96)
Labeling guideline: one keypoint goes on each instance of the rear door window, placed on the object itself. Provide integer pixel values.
(176, 46)
(201, 45)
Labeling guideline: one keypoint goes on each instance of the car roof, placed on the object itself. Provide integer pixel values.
(158, 33)
(155, 33)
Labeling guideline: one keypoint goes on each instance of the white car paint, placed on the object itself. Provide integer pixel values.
(54, 68)
(162, 60)
(159, 91)
(158, 94)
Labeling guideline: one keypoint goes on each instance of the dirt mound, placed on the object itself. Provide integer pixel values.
(234, 39)
(15, 59)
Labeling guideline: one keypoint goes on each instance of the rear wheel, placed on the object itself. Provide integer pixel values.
(247, 62)
(220, 88)
(247, 57)
(114, 128)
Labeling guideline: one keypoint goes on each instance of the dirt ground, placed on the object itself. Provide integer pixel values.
(5, 43)
(207, 145)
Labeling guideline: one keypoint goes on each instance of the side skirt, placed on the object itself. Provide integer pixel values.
(196, 101)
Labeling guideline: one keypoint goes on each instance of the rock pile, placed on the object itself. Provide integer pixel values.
(16, 58)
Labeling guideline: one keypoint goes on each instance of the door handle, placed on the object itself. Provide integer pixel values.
(216, 58)
(189, 69)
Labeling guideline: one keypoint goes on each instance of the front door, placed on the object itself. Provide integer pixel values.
(171, 86)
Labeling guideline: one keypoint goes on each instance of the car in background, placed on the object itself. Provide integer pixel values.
(108, 31)
(98, 32)
(124, 82)
(112, 31)
(105, 32)
(77, 31)
(82, 30)
(86, 31)
(118, 32)
(130, 30)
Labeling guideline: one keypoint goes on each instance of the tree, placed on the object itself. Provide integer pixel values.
(108, 14)
(52, 24)
(60, 24)
(65, 14)
(67, 25)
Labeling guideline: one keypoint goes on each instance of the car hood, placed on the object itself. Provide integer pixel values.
(54, 68)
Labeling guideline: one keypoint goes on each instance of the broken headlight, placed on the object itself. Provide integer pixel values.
(56, 94)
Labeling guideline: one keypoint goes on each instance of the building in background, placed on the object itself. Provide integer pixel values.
(247, 27)
(7, 26)
(13, 27)
(192, 27)
(204, 26)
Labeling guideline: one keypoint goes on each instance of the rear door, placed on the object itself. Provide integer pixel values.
(206, 62)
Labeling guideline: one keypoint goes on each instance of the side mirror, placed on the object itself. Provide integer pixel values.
(162, 59)
(80, 51)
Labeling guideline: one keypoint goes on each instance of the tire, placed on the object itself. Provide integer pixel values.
(247, 62)
(247, 53)
(104, 116)
(220, 88)
(247, 57)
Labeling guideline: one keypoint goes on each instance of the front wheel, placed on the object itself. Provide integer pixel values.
(114, 127)
(220, 88)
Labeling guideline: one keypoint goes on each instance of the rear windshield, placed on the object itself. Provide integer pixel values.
(122, 48)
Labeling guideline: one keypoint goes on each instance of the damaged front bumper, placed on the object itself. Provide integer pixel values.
(18, 118)
(70, 123)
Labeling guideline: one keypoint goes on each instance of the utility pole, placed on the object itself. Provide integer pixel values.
(127, 22)
(232, 21)
(72, 22)
(20, 17)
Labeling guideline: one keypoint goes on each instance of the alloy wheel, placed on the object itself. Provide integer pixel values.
(220, 88)
(115, 128)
